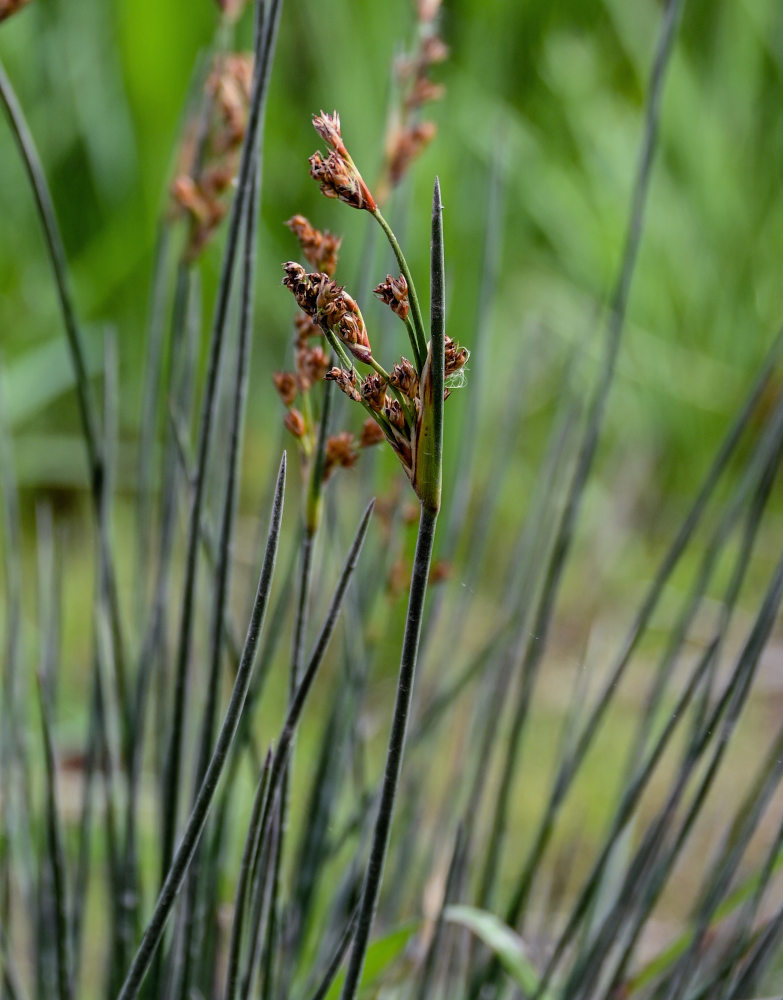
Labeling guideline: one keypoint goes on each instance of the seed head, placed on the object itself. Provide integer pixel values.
(319, 248)
(403, 376)
(374, 391)
(456, 357)
(346, 382)
(406, 145)
(340, 453)
(329, 305)
(394, 292)
(312, 363)
(286, 386)
(328, 127)
(209, 158)
(371, 434)
(338, 174)
(295, 423)
(306, 327)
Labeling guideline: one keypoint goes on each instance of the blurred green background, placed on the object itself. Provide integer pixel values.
(555, 89)
(550, 95)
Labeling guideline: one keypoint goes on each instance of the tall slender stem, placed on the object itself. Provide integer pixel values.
(391, 778)
(417, 335)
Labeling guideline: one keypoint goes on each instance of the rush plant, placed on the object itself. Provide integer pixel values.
(252, 820)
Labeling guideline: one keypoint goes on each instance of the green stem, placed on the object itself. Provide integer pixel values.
(430, 504)
(198, 817)
(380, 841)
(417, 335)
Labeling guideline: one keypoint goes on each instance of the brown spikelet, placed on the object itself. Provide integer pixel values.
(371, 434)
(320, 248)
(394, 292)
(286, 386)
(346, 382)
(295, 423)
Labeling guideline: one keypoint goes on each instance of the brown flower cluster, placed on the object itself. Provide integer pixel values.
(330, 306)
(211, 160)
(319, 247)
(311, 360)
(338, 174)
(397, 403)
(9, 7)
(406, 135)
(394, 292)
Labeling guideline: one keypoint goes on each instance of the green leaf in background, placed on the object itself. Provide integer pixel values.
(40, 376)
(380, 955)
(507, 945)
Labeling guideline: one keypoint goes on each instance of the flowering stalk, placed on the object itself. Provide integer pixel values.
(431, 442)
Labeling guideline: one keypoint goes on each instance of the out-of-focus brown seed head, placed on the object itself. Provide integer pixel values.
(312, 364)
(232, 9)
(306, 327)
(287, 386)
(320, 248)
(340, 452)
(371, 434)
(406, 145)
(295, 423)
(209, 161)
(9, 7)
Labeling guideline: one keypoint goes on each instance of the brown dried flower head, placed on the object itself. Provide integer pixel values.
(341, 453)
(329, 305)
(373, 391)
(208, 165)
(456, 357)
(338, 174)
(295, 423)
(346, 382)
(371, 434)
(320, 248)
(287, 386)
(312, 364)
(394, 292)
(404, 377)
(406, 145)
(306, 327)
(9, 7)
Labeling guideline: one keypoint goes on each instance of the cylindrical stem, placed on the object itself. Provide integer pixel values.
(380, 841)
(418, 336)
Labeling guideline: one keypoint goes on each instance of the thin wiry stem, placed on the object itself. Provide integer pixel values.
(330, 974)
(190, 943)
(533, 651)
(240, 896)
(416, 333)
(262, 64)
(56, 852)
(198, 816)
(430, 504)
(394, 754)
